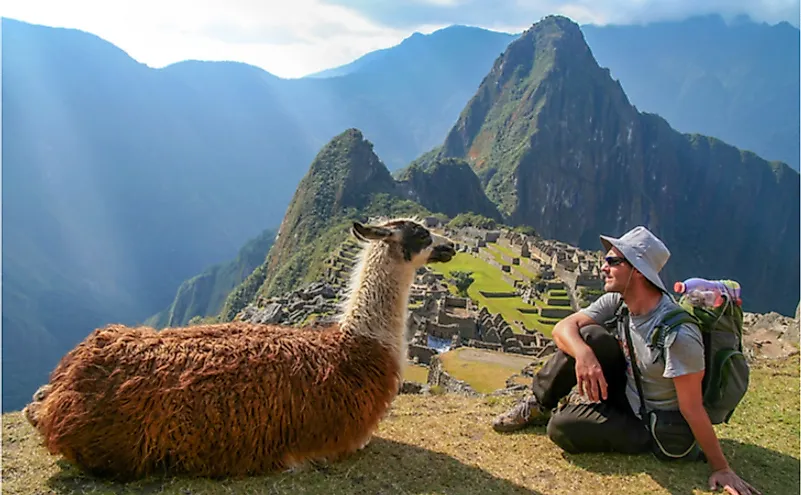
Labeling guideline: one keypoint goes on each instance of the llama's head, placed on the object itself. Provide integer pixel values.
(408, 241)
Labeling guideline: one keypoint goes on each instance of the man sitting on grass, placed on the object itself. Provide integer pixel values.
(597, 360)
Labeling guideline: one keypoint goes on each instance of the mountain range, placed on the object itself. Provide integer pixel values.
(550, 141)
(121, 182)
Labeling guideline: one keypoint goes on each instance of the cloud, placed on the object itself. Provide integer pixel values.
(523, 13)
(289, 39)
(296, 37)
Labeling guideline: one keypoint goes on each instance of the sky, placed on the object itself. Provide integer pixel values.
(293, 38)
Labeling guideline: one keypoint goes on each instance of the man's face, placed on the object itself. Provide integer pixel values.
(617, 271)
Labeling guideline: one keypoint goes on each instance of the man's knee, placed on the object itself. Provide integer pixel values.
(563, 432)
(601, 341)
(578, 428)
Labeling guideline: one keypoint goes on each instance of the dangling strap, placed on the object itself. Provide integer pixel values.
(634, 367)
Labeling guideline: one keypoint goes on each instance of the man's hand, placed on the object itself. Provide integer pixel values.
(731, 483)
(590, 376)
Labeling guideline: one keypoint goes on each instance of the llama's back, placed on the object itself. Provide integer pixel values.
(207, 399)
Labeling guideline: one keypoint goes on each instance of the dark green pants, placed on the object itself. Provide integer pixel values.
(608, 426)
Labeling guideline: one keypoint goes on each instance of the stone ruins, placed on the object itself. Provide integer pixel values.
(554, 279)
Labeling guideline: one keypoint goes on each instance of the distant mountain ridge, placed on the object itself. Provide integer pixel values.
(452, 41)
(737, 81)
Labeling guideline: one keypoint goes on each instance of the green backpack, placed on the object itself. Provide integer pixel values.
(727, 373)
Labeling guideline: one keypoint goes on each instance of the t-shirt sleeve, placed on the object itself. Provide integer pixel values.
(603, 308)
(684, 351)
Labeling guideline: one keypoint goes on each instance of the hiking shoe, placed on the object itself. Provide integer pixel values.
(527, 412)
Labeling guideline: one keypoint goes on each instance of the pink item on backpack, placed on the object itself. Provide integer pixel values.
(720, 288)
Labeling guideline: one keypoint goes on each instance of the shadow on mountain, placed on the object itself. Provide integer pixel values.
(385, 466)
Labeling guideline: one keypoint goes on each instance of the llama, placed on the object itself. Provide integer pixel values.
(237, 399)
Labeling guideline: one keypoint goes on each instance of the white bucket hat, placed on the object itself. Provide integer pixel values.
(643, 250)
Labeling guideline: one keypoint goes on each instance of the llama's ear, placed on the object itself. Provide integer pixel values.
(369, 232)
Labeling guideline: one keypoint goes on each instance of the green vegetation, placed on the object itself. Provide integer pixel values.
(243, 294)
(459, 453)
(504, 249)
(525, 230)
(448, 185)
(488, 278)
(346, 182)
(472, 220)
(462, 281)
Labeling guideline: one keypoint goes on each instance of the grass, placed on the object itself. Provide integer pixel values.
(518, 271)
(506, 250)
(444, 445)
(497, 257)
(522, 271)
(415, 373)
(484, 370)
(489, 278)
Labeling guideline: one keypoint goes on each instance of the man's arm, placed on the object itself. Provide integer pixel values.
(688, 389)
(589, 374)
(566, 334)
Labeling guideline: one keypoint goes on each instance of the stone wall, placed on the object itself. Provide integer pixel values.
(480, 344)
(556, 312)
(466, 327)
(491, 295)
(420, 353)
(438, 376)
(510, 260)
(297, 307)
(456, 302)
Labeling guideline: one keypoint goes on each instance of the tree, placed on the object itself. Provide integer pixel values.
(462, 280)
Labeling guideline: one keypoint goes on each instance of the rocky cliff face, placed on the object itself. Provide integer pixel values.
(558, 146)
(449, 186)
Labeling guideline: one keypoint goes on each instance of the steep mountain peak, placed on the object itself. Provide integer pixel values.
(346, 171)
(344, 180)
(549, 70)
(555, 39)
(557, 146)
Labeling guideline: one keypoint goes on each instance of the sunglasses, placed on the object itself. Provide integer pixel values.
(614, 260)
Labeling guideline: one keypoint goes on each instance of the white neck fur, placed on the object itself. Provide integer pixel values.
(377, 300)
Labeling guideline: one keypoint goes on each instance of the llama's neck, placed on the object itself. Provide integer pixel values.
(378, 298)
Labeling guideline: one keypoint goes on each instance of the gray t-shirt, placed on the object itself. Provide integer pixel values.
(684, 352)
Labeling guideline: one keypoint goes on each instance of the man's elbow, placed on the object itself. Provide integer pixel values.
(558, 329)
(562, 329)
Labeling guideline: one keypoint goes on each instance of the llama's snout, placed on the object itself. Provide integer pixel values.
(442, 252)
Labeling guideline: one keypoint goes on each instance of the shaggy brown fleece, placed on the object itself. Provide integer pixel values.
(214, 400)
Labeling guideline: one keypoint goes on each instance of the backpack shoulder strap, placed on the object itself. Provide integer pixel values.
(672, 319)
(612, 322)
(678, 316)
